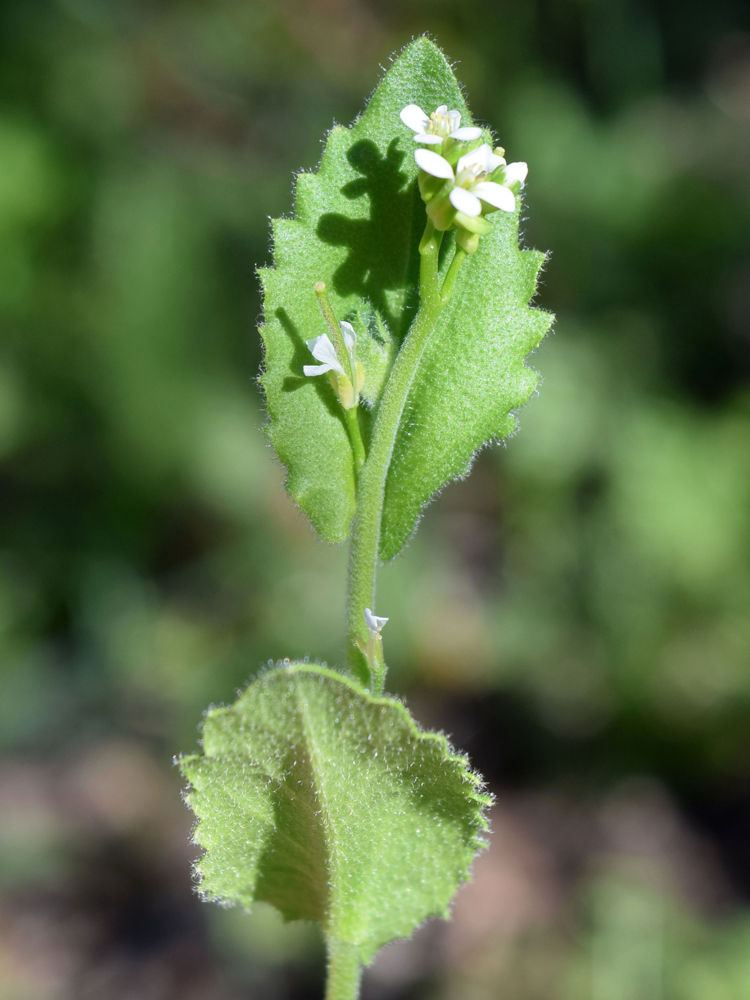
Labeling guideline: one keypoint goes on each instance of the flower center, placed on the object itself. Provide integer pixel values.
(442, 123)
(470, 176)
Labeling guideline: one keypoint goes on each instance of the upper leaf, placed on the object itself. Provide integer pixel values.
(333, 806)
(470, 378)
(357, 226)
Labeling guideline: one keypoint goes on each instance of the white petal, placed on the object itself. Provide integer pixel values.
(516, 172)
(476, 158)
(441, 110)
(433, 163)
(495, 194)
(373, 622)
(430, 140)
(323, 350)
(347, 332)
(315, 369)
(455, 117)
(466, 134)
(464, 201)
(484, 158)
(414, 118)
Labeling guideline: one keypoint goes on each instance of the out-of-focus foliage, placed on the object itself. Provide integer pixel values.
(576, 612)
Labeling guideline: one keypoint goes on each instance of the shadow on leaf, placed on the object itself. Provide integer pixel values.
(384, 248)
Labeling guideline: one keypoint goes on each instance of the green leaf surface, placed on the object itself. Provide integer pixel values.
(333, 806)
(356, 226)
(470, 379)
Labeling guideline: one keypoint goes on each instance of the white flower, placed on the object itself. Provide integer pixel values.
(471, 186)
(441, 124)
(373, 623)
(323, 350)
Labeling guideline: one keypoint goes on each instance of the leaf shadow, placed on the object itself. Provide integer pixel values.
(292, 870)
(384, 248)
(303, 357)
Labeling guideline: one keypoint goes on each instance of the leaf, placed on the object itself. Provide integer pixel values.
(470, 379)
(357, 225)
(332, 805)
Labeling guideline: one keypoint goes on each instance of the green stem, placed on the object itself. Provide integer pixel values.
(347, 360)
(337, 337)
(344, 971)
(458, 258)
(355, 436)
(363, 559)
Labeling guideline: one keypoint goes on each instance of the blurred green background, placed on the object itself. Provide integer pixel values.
(576, 614)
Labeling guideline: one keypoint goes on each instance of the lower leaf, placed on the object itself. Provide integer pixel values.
(332, 805)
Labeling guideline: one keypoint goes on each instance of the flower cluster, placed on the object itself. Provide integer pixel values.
(461, 188)
(461, 181)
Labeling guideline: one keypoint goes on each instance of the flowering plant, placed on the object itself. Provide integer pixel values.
(314, 791)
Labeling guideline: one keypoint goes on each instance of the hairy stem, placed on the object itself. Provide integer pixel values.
(344, 971)
(363, 559)
(347, 361)
(458, 258)
(337, 337)
(355, 436)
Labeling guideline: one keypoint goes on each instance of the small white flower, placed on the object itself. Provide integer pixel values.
(471, 186)
(441, 124)
(323, 350)
(374, 623)
(480, 161)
